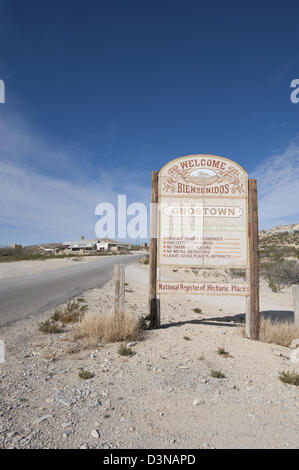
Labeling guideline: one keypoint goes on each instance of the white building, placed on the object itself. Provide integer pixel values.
(104, 245)
(82, 246)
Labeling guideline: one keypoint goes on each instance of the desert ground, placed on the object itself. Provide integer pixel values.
(162, 396)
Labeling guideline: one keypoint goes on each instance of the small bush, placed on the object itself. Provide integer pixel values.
(48, 326)
(143, 322)
(144, 259)
(280, 274)
(291, 378)
(217, 374)
(123, 350)
(95, 329)
(72, 313)
(197, 310)
(186, 338)
(222, 352)
(85, 374)
(278, 332)
(56, 315)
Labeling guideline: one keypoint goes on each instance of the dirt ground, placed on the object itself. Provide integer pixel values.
(163, 396)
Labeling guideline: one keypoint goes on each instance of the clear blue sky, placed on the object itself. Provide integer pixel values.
(100, 93)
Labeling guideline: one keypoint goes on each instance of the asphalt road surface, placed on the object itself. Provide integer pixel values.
(26, 295)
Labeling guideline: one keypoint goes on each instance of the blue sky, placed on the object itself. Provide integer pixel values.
(100, 93)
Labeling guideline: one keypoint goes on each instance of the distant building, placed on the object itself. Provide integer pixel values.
(87, 246)
(81, 246)
(111, 245)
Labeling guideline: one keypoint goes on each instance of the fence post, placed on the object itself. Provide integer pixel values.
(119, 289)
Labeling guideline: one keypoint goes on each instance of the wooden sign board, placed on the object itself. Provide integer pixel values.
(203, 213)
(205, 216)
(204, 288)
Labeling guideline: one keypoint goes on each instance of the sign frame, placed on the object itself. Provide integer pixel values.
(252, 265)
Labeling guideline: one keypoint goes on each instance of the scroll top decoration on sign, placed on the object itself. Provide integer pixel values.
(203, 213)
(203, 174)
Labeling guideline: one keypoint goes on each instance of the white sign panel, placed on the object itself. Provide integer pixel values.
(203, 213)
(204, 288)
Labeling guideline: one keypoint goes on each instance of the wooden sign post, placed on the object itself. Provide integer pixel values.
(252, 320)
(204, 215)
(154, 307)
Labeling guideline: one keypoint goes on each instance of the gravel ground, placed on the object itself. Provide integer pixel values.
(161, 397)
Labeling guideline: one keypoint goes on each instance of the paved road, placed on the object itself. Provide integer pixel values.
(26, 295)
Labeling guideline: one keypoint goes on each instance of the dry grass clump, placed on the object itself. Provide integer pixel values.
(71, 349)
(95, 329)
(278, 332)
(50, 356)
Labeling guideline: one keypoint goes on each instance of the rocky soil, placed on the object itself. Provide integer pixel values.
(163, 396)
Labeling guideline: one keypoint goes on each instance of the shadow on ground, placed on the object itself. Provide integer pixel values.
(236, 320)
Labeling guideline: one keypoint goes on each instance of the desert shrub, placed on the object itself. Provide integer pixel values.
(277, 249)
(291, 378)
(217, 374)
(283, 273)
(95, 329)
(124, 350)
(85, 374)
(222, 352)
(49, 326)
(72, 313)
(144, 259)
(278, 332)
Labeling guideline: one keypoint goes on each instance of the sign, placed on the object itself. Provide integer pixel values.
(203, 213)
(204, 288)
